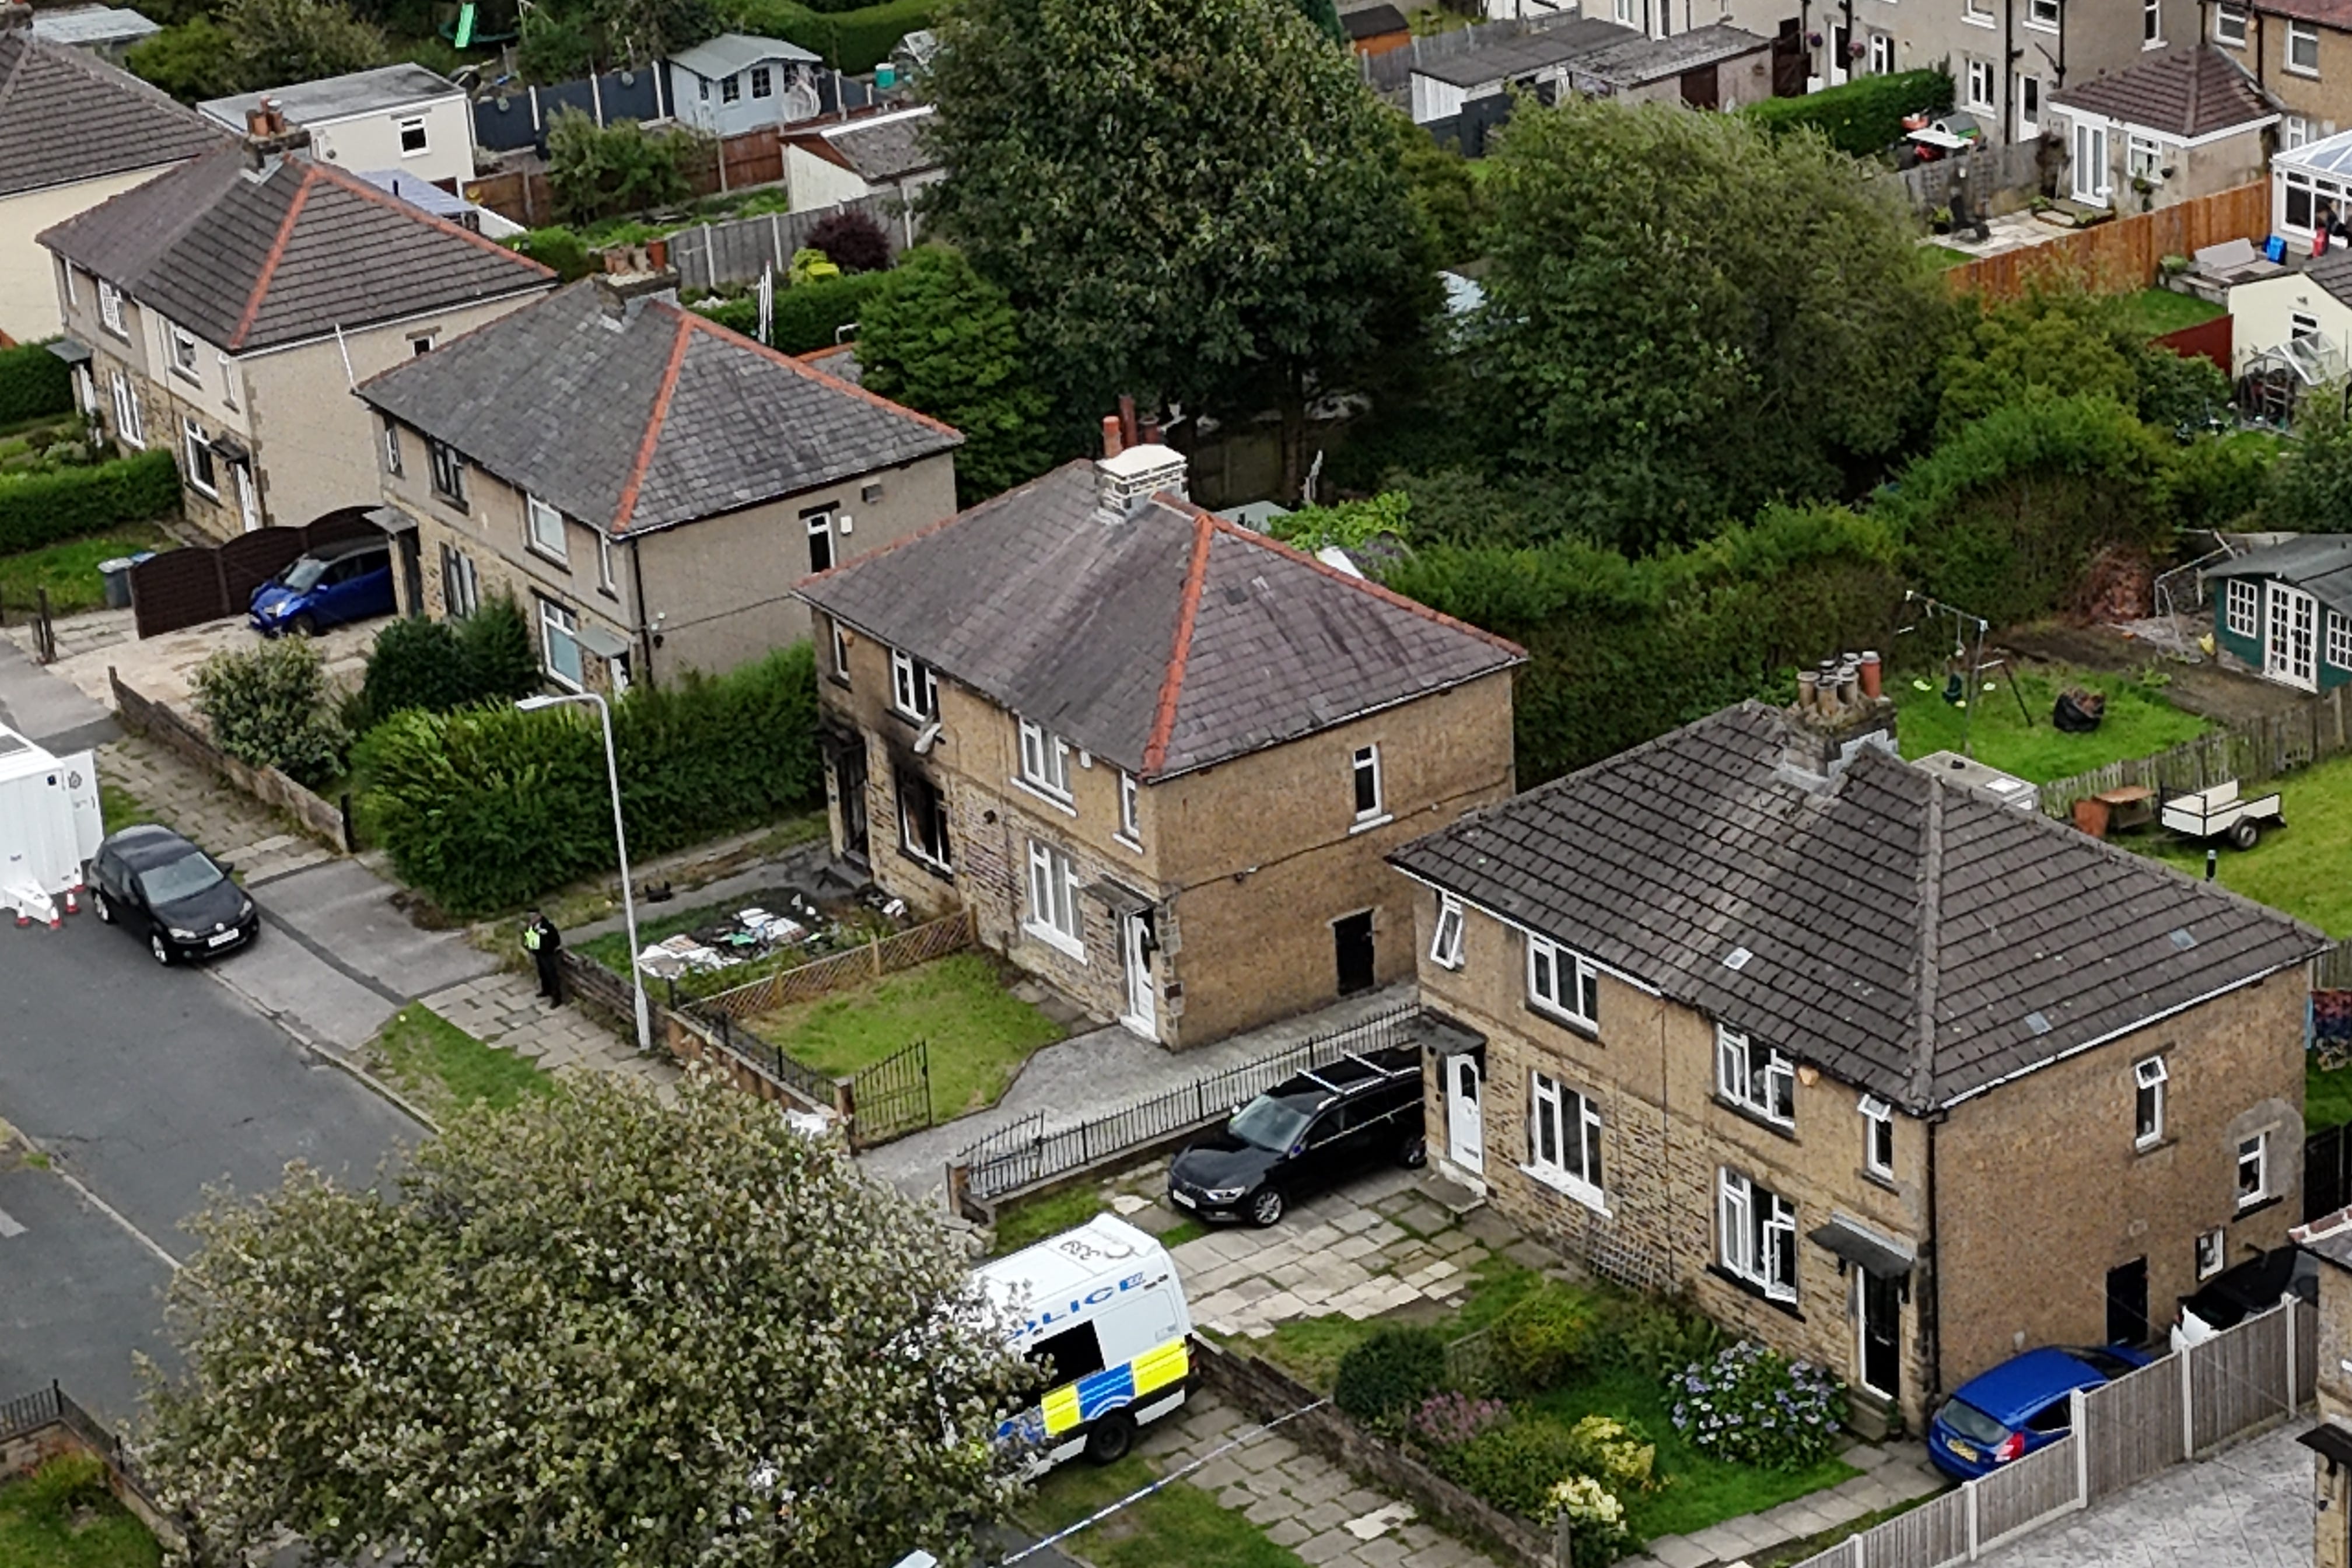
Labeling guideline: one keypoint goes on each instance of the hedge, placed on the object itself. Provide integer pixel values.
(853, 40)
(1865, 115)
(33, 382)
(808, 315)
(37, 510)
(489, 807)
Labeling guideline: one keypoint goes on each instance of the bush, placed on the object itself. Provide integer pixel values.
(488, 807)
(603, 171)
(1513, 1466)
(500, 659)
(807, 317)
(413, 664)
(269, 708)
(1390, 1374)
(1755, 1406)
(1596, 1519)
(1617, 1453)
(557, 247)
(65, 1484)
(854, 242)
(37, 510)
(1543, 1339)
(1657, 1336)
(1865, 115)
(34, 383)
(1449, 1419)
(852, 40)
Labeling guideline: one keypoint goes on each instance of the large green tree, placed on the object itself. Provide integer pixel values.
(1195, 200)
(1692, 316)
(937, 337)
(595, 1331)
(272, 43)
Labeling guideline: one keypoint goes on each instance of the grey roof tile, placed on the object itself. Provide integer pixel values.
(66, 117)
(2189, 92)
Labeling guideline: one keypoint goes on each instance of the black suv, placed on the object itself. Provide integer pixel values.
(1307, 1132)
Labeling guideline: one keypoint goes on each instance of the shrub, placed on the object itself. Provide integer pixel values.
(1755, 1406)
(1542, 1338)
(269, 708)
(853, 241)
(1865, 115)
(851, 40)
(1514, 1466)
(811, 265)
(1390, 1374)
(808, 316)
(495, 648)
(64, 1484)
(1449, 1419)
(1596, 1519)
(413, 664)
(1657, 1336)
(42, 509)
(33, 382)
(602, 171)
(1617, 1453)
(558, 247)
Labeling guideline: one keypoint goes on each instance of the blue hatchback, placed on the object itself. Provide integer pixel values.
(2020, 1406)
(348, 581)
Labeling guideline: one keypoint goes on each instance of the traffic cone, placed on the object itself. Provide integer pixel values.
(73, 900)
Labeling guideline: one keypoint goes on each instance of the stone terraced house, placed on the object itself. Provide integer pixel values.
(1888, 1073)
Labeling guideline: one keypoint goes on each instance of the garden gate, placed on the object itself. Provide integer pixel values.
(892, 1097)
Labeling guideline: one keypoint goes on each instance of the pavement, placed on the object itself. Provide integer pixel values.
(52, 713)
(2247, 1507)
(235, 827)
(2010, 231)
(504, 1009)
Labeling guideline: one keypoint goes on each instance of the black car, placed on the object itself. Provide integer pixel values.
(1305, 1133)
(158, 884)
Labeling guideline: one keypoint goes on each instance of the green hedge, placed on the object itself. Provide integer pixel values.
(488, 807)
(853, 40)
(37, 510)
(33, 382)
(1864, 116)
(808, 315)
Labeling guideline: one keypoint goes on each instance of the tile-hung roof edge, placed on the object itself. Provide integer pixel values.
(1188, 612)
(654, 422)
(700, 322)
(262, 279)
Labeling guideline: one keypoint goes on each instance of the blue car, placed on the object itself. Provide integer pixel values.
(348, 581)
(2020, 1406)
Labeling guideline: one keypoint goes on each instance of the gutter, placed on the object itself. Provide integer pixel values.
(637, 584)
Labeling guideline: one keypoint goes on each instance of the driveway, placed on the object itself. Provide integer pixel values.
(2247, 1507)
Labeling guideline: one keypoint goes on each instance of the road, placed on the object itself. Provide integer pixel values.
(145, 1085)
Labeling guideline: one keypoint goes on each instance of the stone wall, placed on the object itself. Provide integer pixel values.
(48, 1425)
(158, 722)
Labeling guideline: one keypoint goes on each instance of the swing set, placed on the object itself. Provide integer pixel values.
(1965, 672)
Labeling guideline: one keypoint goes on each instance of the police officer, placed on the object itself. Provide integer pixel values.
(543, 941)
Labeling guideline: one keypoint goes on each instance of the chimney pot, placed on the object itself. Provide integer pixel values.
(1113, 443)
(1127, 432)
(1872, 676)
(1152, 432)
(257, 121)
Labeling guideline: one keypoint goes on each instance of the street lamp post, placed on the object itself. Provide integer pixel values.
(620, 842)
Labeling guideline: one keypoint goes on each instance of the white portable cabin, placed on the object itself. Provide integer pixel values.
(49, 825)
(1103, 1305)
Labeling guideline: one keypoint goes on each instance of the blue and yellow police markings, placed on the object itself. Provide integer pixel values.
(1096, 1395)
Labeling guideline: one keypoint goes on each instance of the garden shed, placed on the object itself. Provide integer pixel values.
(2286, 610)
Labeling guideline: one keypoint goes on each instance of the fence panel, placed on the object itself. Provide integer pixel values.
(2023, 1493)
(30, 1412)
(2238, 1381)
(937, 938)
(2122, 255)
(2131, 1428)
(721, 253)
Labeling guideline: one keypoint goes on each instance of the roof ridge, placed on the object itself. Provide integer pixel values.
(385, 199)
(1927, 952)
(1362, 584)
(654, 421)
(697, 319)
(1188, 613)
(268, 273)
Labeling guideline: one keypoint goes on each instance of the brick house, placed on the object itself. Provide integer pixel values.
(227, 308)
(646, 484)
(1888, 1073)
(1159, 755)
(2329, 1238)
(2301, 50)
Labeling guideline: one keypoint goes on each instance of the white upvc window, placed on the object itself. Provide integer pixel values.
(196, 458)
(762, 82)
(1371, 808)
(1445, 945)
(2151, 23)
(2253, 1169)
(228, 379)
(2043, 14)
(560, 638)
(1564, 1140)
(1560, 981)
(73, 295)
(544, 528)
(2244, 611)
(2144, 158)
(1756, 1077)
(412, 136)
(923, 821)
(1881, 53)
(731, 89)
(392, 448)
(183, 352)
(1053, 916)
(129, 420)
(1625, 13)
(914, 690)
(2339, 640)
(822, 551)
(604, 579)
(1977, 13)
(1755, 1236)
(1981, 86)
(1877, 1136)
(2301, 325)
(2148, 1103)
(1044, 760)
(840, 649)
(1131, 814)
(2213, 1252)
(461, 586)
(110, 308)
(2294, 131)
(2303, 47)
(2229, 26)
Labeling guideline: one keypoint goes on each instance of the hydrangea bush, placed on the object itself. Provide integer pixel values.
(1596, 1519)
(1754, 1405)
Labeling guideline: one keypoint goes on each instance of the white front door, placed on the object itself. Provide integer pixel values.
(1142, 1014)
(245, 508)
(2029, 108)
(1465, 1129)
(2091, 162)
(2291, 638)
(1840, 38)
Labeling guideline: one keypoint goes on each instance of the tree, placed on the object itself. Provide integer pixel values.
(2311, 486)
(600, 170)
(594, 1329)
(499, 656)
(2062, 338)
(569, 38)
(939, 338)
(1325, 16)
(854, 242)
(1690, 316)
(189, 60)
(268, 707)
(1190, 200)
(274, 42)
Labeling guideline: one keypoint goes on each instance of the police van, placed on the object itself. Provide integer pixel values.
(1101, 1309)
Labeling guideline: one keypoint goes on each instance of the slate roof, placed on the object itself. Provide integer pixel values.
(1552, 47)
(2318, 564)
(885, 148)
(375, 91)
(656, 419)
(723, 56)
(2326, 13)
(1909, 937)
(65, 116)
(2183, 92)
(2329, 1235)
(1164, 642)
(840, 361)
(286, 256)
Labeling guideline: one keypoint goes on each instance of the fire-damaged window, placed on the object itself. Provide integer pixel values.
(923, 820)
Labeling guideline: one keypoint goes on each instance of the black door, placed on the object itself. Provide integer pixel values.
(1351, 941)
(1882, 1319)
(411, 576)
(2128, 1303)
(849, 778)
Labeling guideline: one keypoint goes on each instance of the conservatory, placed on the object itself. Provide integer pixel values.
(2308, 179)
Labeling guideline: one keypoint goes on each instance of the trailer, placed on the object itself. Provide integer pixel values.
(2219, 812)
(50, 826)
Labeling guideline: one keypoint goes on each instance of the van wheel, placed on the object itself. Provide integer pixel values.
(1265, 1207)
(1108, 1439)
(1414, 1152)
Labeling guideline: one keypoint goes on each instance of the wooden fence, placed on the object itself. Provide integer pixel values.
(2122, 255)
(330, 824)
(2252, 753)
(949, 933)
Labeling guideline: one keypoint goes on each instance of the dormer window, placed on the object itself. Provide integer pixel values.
(1044, 760)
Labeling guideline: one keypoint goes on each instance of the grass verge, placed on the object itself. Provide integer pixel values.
(69, 571)
(117, 809)
(447, 1069)
(1178, 1524)
(2152, 312)
(59, 1518)
(1031, 1220)
(2140, 721)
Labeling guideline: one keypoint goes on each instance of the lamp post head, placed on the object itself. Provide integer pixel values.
(533, 704)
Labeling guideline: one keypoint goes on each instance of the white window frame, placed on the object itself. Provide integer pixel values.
(1625, 13)
(1572, 1165)
(907, 840)
(183, 344)
(73, 295)
(2143, 157)
(1737, 1079)
(1445, 941)
(1980, 86)
(110, 309)
(763, 82)
(820, 525)
(1877, 1127)
(1364, 763)
(2042, 15)
(2339, 640)
(2298, 35)
(1573, 983)
(1757, 1244)
(840, 649)
(2028, 89)
(1130, 810)
(1053, 916)
(461, 585)
(1977, 14)
(2242, 609)
(543, 530)
(130, 420)
(605, 581)
(1881, 53)
(228, 379)
(561, 621)
(2299, 325)
(424, 142)
(2151, 23)
(195, 442)
(392, 448)
(2148, 1079)
(2256, 1149)
(919, 705)
(731, 89)
(2212, 1253)
(2230, 25)
(2294, 131)
(1044, 762)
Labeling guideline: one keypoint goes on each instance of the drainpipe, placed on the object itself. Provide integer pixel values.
(2010, 54)
(637, 582)
(1930, 1294)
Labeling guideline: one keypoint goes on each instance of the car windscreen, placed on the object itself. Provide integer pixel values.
(1272, 1123)
(1973, 1423)
(176, 880)
(304, 574)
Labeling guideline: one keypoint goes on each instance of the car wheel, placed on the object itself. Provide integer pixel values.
(99, 907)
(1414, 1152)
(1266, 1207)
(1108, 1439)
(159, 947)
(303, 626)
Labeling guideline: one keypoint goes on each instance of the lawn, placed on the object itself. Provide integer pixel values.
(2326, 1096)
(1178, 1524)
(2140, 721)
(2156, 312)
(39, 1528)
(1031, 1220)
(69, 571)
(2305, 869)
(1309, 1348)
(447, 1069)
(1946, 256)
(979, 1032)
